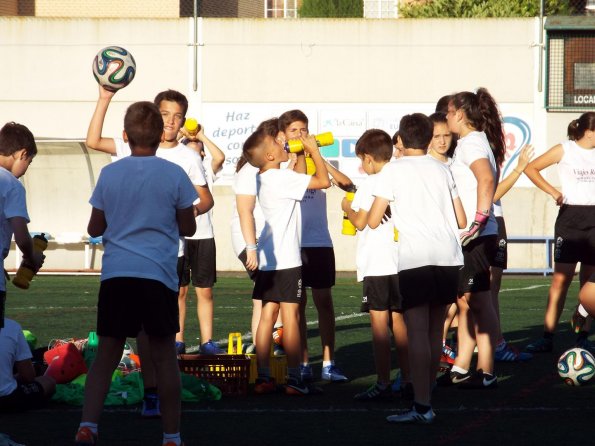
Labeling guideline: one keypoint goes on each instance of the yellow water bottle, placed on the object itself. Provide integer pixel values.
(25, 272)
(323, 139)
(348, 228)
(192, 126)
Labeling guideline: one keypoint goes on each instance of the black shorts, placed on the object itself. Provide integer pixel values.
(284, 285)
(128, 304)
(474, 277)
(500, 259)
(575, 235)
(243, 257)
(318, 267)
(381, 293)
(429, 285)
(24, 397)
(198, 263)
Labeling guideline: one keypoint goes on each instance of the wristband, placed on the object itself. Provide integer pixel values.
(251, 247)
(482, 217)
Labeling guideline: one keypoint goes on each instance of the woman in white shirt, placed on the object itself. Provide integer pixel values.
(575, 224)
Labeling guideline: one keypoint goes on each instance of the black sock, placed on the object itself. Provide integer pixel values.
(582, 335)
(150, 391)
(421, 408)
(548, 335)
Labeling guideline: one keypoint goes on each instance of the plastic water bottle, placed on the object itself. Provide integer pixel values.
(25, 272)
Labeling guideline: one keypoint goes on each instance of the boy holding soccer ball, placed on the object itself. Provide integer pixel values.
(428, 214)
(279, 280)
(141, 205)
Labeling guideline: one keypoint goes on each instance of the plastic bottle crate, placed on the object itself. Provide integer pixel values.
(277, 364)
(228, 372)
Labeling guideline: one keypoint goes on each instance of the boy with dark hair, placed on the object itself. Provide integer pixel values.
(141, 206)
(279, 280)
(428, 213)
(377, 263)
(318, 256)
(173, 106)
(17, 149)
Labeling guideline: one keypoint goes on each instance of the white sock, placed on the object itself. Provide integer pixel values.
(92, 426)
(581, 310)
(172, 437)
(327, 363)
(460, 370)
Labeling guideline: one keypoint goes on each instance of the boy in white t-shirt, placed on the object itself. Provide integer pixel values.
(428, 213)
(279, 280)
(377, 267)
(199, 262)
(318, 256)
(173, 106)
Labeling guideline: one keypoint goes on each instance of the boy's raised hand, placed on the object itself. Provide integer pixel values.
(310, 144)
(105, 94)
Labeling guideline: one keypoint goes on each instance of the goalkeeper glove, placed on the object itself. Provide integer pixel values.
(475, 228)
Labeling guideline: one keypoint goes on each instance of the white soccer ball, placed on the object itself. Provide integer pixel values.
(114, 68)
(576, 366)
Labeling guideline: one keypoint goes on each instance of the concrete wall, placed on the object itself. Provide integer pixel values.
(49, 87)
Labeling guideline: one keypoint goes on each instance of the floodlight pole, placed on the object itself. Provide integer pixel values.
(195, 48)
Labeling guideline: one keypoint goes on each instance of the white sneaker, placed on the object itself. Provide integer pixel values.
(412, 416)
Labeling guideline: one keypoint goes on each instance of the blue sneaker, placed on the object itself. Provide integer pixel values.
(306, 373)
(508, 353)
(332, 373)
(180, 348)
(211, 348)
(150, 407)
(278, 350)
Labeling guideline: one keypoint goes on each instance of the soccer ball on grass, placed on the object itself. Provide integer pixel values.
(576, 366)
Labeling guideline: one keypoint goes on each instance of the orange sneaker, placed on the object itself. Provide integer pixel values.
(85, 437)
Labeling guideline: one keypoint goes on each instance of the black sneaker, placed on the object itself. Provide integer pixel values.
(480, 380)
(296, 386)
(541, 345)
(452, 378)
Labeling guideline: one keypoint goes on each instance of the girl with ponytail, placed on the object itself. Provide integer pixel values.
(575, 224)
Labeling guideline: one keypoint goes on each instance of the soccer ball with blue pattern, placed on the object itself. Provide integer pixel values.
(576, 366)
(114, 68)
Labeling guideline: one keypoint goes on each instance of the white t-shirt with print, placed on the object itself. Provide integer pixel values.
(279, 194)
(244, 183)
(420, 190)
(469, 149)
(377, 252)
(577, 174)
(13, 348)
(12, 204)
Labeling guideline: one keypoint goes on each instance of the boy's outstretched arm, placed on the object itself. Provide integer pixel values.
(97, 223)
(320, 179)
(186, 221)
(339, 178)
(94, 139)
(23, 240)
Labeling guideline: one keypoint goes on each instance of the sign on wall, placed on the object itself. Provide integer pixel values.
(228, 125)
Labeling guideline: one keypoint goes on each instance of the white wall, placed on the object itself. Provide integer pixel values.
(355, 67)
